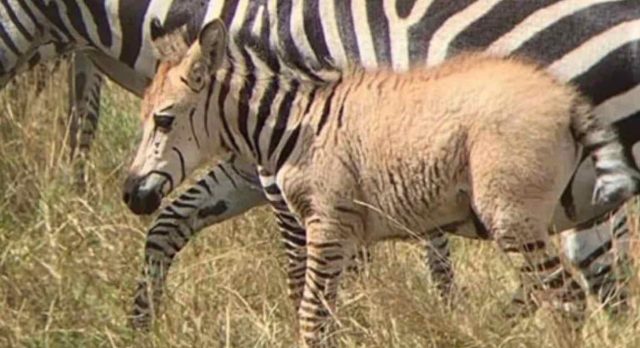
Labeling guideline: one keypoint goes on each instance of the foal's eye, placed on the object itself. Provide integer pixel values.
(163, 121)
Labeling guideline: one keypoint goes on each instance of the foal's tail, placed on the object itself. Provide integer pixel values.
(616, 180)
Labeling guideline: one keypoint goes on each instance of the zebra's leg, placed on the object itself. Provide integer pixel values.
(222, 194)
(439, 263)
(85, 84)
(600, 252)
(41, 74)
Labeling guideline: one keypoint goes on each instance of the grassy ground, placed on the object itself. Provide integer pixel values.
(69, 261)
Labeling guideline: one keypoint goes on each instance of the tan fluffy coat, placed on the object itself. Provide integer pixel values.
(415, 147)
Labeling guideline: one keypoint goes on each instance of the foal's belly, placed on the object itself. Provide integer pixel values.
(417, 220)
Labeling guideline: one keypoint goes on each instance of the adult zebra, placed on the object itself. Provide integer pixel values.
(372, 33)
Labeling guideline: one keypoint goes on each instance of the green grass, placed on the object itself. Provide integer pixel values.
(69, 261)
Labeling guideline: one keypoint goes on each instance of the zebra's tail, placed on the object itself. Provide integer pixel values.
(616, 180)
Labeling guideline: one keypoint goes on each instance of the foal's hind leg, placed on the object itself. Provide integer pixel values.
(517, 180)
(519, 228)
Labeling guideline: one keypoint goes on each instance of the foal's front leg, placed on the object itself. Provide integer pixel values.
(294, 242)
(293, 236)
(329, 242)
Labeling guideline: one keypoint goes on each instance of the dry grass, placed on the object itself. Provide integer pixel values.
(68, 262)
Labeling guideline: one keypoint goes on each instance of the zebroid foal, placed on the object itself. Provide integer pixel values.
(482, 142)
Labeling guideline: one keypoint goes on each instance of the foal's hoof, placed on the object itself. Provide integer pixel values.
(141, 318)
(516, 312)
(617, 306)
(520, 307)
(140, 322)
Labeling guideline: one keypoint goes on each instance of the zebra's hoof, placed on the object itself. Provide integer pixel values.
(614, 189)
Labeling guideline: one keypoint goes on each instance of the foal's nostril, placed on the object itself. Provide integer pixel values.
(126, 196)
(129, 188)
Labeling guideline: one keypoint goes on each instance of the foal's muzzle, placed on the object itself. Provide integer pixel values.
(141, 198)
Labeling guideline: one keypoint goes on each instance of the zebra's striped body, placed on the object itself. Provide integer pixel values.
(371, 33)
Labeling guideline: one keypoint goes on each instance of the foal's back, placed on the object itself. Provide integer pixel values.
(475, 92)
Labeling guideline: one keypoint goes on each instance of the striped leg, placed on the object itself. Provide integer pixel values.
(600, 252)
(293, 235)
(542, 271)
(356, 263)
(327, 249)
(333, 227)
(41, 74)
(439, 263)
(85, 86)
(294, 240)
(223, 193)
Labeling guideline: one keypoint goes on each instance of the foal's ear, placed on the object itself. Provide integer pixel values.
(213, 43)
